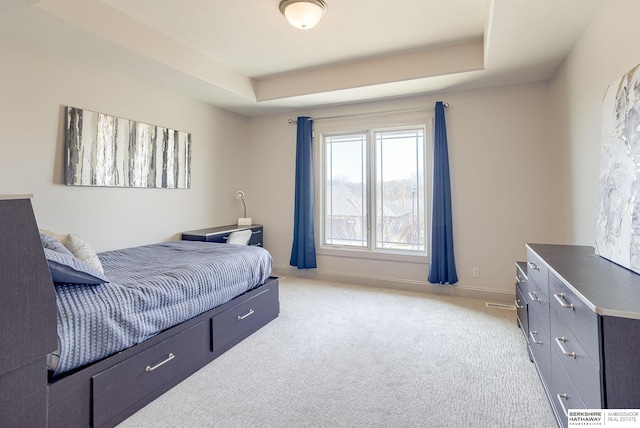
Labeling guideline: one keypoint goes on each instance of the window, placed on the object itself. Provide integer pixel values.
(374, 190)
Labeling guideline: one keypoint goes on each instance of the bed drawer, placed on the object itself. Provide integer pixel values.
(141, 377)
(240, 321)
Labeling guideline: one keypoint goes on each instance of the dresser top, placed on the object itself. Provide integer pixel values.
(219, 229)
(607, 288)
(4, 197)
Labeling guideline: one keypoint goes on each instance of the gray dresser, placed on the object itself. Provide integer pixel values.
(220, 234)
(580, 315)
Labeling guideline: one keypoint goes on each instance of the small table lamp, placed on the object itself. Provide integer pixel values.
(243, 221)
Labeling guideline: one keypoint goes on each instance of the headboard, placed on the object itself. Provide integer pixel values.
(27, 314)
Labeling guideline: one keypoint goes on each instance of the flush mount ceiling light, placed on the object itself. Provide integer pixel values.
(303, 14)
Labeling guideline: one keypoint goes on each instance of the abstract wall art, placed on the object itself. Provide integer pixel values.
(618, 220)
(105, 150)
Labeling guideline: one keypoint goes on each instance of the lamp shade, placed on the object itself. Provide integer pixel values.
(303, 14)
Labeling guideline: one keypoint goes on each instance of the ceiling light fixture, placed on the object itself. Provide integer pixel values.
(303, 14)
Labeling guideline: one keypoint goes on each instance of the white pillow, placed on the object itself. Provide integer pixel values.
(79, 247)
(240, 237)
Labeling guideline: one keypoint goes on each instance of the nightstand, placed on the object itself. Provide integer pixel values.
(221, 234)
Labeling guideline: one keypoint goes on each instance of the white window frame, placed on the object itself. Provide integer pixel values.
(370, 126)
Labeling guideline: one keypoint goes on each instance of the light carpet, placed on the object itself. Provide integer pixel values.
(349, 356)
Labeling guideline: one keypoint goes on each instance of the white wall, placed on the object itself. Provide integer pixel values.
(524, 159)
(503, 182)
(524, 164)
(607, 50)
(35, 86)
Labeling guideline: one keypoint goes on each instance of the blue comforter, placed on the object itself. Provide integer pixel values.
(151, 288)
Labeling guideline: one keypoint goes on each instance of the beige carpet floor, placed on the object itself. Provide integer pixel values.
(348, 356)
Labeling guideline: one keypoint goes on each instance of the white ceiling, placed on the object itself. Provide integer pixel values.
(243, 56)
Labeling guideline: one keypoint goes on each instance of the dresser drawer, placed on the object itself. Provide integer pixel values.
(540, 347)
(538, 271)
(238, 322)
(580, 319)
(521, 275)
(521, 308)
(121, 386)
(538, 305)
(257, 237)
(562, 392)
(581, 369)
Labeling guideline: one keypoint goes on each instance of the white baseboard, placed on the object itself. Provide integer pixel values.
(398, 284)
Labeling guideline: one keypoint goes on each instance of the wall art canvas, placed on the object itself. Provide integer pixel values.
(618, 221)
(105, 150)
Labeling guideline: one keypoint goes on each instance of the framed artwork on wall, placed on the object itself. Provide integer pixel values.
(618, 220)
(105, 150)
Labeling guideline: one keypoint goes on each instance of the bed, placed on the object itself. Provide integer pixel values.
(125, 330)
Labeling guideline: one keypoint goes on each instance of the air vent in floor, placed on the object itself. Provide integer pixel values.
(500, 306)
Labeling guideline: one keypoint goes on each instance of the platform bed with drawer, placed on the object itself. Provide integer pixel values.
(161, 326)
(580, 315)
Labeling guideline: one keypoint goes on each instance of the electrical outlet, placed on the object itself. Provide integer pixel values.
(476, 272)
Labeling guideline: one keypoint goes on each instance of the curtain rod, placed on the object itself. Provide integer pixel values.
(376, 113)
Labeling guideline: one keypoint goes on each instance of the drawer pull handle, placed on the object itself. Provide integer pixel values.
(560, 298)
(536, 341)
(561, 399)
(241, 317)
(256, 232)
(169, 358)
(517, 302)
(518, 279)
(560, 341)
(534, 297)
(533, 266)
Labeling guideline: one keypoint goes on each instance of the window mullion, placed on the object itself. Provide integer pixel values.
(329, 197)
(415, 233)
(365, 194)
(372, 190)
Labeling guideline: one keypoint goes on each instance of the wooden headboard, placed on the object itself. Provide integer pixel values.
(27, 316)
